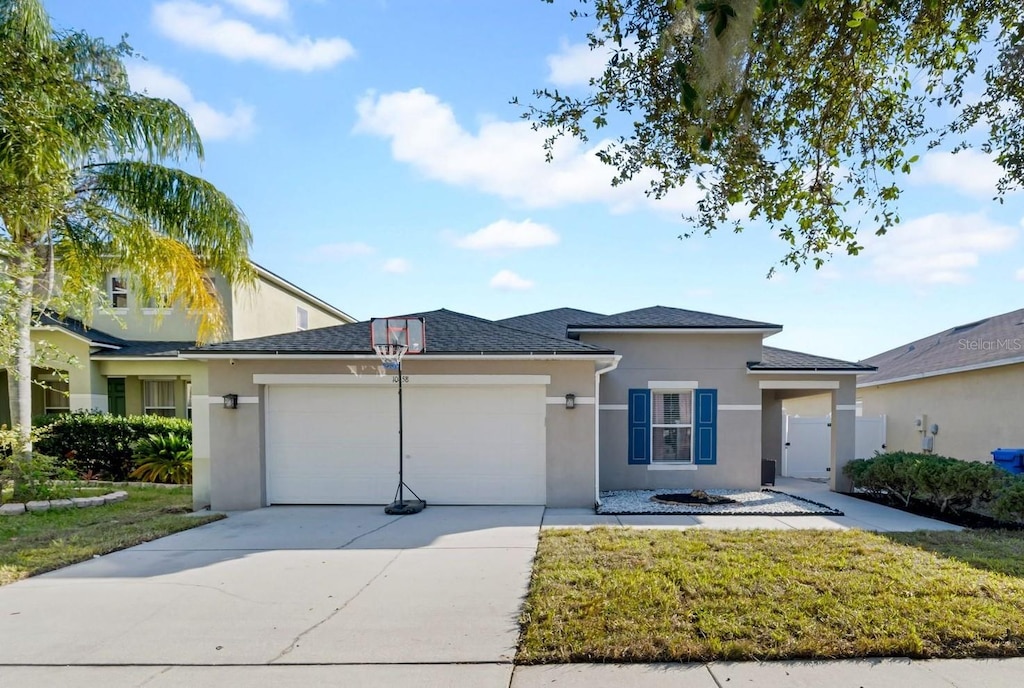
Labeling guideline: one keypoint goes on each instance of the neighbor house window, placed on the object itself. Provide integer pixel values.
(188, 400)
(118, 292)
(57, 397)
(672, 426)
(301, 318)
(158, 397)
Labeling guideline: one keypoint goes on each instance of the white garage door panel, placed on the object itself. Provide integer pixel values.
(463, 445)
(325, 448)
(468, 445)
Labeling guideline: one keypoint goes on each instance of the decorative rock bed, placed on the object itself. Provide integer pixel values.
(18, 508)
(744, 503)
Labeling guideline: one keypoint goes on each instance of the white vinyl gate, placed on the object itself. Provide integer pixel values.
(808, 443)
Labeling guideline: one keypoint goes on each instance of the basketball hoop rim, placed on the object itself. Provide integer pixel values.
(390, 355)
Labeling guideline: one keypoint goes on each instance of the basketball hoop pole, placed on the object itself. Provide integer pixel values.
(401, 438)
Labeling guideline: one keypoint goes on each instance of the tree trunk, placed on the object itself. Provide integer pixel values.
(20, 383)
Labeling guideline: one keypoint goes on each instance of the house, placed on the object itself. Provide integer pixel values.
(126, 361)
(957, 392)
(548, 408)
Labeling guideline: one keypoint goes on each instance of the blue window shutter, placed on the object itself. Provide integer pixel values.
(705, 426)
(639, 426)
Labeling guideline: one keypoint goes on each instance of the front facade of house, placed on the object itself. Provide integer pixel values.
(659, 398)
(137, 370)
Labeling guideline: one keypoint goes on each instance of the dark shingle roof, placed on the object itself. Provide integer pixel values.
(784, 359)
(147, 349)
(663, 317)
(81, 329)
(552, 323)
(447, 332)
(986, 342)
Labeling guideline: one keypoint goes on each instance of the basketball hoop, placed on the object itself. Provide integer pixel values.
(391, 339)
(390, 355)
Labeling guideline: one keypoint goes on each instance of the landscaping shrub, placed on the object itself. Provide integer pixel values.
(42, 477)
(164, 459)
(101, 444)
(948, 484)
(1009, 503)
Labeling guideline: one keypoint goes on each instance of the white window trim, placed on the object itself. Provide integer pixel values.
(654, 426)
(157, 311)
(113, 293)
(147, 409)
(65, 396)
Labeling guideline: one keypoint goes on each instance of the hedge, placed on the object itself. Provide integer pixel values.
(949, 484)
(100, 445)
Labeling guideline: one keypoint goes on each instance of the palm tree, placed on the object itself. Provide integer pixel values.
(83, 189)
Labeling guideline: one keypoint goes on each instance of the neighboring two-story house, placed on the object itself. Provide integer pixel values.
(549, 408)
(126, 360)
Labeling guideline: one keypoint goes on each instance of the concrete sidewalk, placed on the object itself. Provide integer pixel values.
(861, 673)
(857, 514)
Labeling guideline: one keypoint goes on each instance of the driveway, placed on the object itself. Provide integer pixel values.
(286, 586)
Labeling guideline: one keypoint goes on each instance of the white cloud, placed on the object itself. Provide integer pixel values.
(941, 248)
(507, 280)
(396, 266)
(503, 158)
(269, 9)
(213, 124)
(969, 172)
(342, 251)
(505, 234)
(575, 64)
(205, 27)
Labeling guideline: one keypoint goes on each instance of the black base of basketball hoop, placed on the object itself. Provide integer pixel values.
(409, 506)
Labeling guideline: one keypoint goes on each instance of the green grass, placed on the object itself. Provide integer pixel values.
(644, 596)
(37, 542)
(1001, 551)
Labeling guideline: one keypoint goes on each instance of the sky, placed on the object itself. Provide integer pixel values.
(374, 149)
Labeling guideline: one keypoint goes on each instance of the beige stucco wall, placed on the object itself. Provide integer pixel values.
(237, 470)
(266, 309)
(715, 361)
(976, 411)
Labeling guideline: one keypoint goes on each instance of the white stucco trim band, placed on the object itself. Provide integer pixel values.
(671, 467)
(846, 407)
(219, 401)
(673, 384)
(435, 380)
(798, 384)
(945, 371)
(560, 401)
(739, 407)
(614, 407)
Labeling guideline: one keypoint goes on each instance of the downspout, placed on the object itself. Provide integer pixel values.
(597, 426)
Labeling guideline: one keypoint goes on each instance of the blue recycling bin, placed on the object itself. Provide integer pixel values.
(1010, 460)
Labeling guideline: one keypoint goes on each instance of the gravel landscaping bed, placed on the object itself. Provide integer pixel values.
(748, 503)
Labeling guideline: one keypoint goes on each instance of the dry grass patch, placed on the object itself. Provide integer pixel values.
(701, 595)
(42, 541)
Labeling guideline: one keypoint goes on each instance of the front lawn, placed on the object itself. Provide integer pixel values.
(612, 595)
(42, 541)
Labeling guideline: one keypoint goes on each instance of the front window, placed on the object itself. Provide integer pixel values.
(57, 397)
(672, 426)
(301, 318)
(158, 397)
(118, 292)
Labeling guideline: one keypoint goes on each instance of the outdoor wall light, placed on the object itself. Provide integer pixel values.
(231, 401)
(570, 401)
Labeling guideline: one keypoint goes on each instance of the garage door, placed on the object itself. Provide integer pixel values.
(463, 445)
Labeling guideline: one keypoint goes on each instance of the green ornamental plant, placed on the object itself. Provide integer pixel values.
(164, 459)
(1009, 503)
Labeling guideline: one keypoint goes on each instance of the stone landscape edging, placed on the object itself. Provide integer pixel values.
(19, 508)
